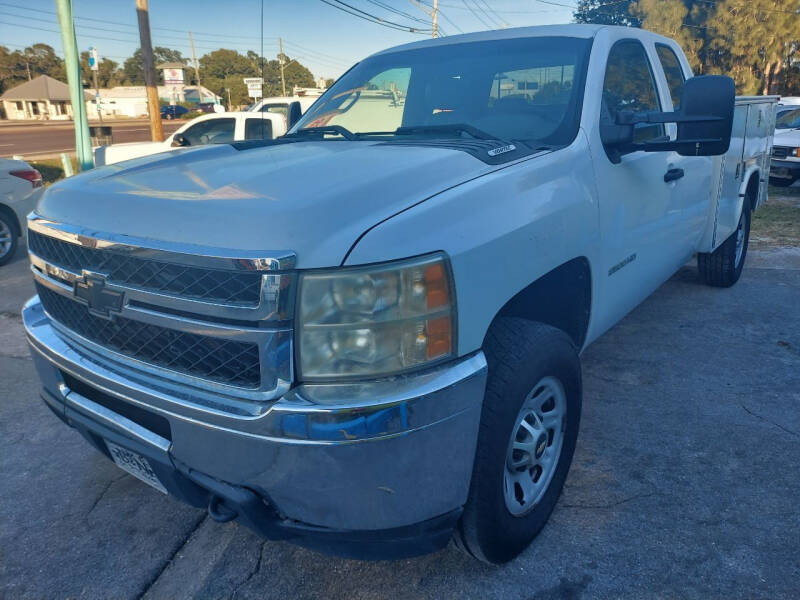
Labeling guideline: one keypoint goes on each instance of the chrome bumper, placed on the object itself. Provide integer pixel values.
(355, 456)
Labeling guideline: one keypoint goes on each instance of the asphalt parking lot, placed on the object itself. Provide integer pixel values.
(685, 481)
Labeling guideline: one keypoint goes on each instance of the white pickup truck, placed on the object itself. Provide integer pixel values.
(366, 338)
(213, 128)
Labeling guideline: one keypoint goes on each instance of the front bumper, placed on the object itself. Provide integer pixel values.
(377, 468)
(784, 169)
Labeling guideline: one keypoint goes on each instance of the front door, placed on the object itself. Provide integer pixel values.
(636, 212)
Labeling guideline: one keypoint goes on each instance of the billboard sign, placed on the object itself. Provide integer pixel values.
(254, 85)
(173, 77)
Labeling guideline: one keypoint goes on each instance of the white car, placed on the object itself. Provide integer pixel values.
(20, 189)
(214, 128)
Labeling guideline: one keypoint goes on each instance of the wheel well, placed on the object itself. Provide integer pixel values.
(12, 216)
(751, 191)
(562, 298)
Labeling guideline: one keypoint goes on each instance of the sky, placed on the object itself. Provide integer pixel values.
(324, 38)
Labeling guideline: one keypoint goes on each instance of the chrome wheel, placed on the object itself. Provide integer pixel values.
(535, 446)
(740, 233)
(6, 238)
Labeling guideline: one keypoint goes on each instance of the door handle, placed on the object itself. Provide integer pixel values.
(672, 175)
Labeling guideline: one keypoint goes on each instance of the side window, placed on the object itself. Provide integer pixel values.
(212, 131)
(673, 73)
(258, 129)
(278, 109)
(629, 85)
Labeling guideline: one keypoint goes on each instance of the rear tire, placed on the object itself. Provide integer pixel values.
(527, 436)
(9, 238)
(723, 267)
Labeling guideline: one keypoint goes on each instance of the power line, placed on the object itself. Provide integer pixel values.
(351, 10)
(490, 13)
(475, 14)
(397, 11)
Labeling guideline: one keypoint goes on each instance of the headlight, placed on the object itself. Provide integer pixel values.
(375, 320)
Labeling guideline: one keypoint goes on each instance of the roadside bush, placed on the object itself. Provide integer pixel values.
(51, 170)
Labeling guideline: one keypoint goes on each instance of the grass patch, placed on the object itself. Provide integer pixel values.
(777, 223)
(51, 169)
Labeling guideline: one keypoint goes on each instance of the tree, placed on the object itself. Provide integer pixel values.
(606, 13)
(753, 41)
(132, 67)
(682, 20)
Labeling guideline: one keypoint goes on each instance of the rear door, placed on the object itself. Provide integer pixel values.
(636, 212)
(690, 184)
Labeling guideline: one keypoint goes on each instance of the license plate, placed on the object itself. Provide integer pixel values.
(135, 464)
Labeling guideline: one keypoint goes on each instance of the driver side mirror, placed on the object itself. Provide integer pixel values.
(705, 121)
(178, 140)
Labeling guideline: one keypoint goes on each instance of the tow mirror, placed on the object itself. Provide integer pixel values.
(295, 112)
(178, 140)
(705, 121)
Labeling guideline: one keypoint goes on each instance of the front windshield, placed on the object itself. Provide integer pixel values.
(788, 119)
(518, 89)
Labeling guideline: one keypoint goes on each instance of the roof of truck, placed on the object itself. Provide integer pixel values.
(570, 30)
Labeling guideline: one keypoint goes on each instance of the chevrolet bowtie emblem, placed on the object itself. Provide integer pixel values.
(91, 290)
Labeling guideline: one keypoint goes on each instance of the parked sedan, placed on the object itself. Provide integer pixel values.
(222, 128)
(173, 111)
(20, 188)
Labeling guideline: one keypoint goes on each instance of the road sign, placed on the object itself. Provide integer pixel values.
(254, 85)
(93, 58)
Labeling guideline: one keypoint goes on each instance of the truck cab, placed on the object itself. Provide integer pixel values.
(364, 336)
(213, 128)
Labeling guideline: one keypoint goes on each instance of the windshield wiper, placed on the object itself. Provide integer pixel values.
(332, 129)
(448, 128)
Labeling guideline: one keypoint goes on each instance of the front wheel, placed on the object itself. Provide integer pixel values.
(723, 266)
(8, 239)
(527, 436)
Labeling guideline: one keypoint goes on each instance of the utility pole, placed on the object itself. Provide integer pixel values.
(156, 132)
(434, 18)
(280, 60)
(196, 68)
(72, 64)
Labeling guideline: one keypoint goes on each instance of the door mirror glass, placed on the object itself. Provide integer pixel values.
(710, 96)
(295, 112)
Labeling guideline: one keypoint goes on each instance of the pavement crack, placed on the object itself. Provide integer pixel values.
(771, 422)
(103, 493)
(612, 504)
(176, 550)
(252, 573)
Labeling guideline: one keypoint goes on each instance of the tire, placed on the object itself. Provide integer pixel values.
(9, 238)
(521, 355)
(780, 182)
(723, 267)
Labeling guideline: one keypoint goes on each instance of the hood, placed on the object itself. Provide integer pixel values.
(786, 137)
(313, 198)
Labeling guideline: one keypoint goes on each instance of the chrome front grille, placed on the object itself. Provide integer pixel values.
(163, 277)
(224, 361)
(215, 323)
